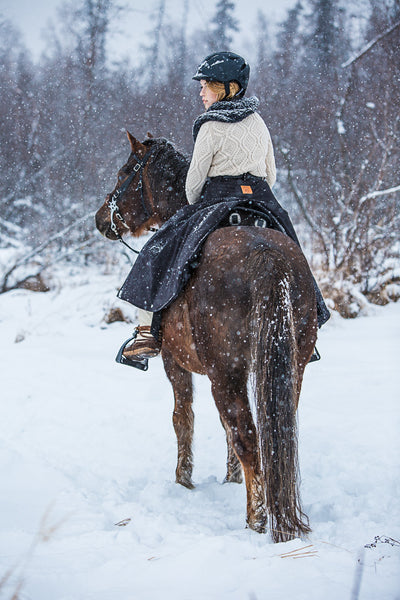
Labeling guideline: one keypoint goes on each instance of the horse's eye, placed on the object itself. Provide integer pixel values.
(121, 177)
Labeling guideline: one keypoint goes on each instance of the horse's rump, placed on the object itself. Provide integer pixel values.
(222, 298)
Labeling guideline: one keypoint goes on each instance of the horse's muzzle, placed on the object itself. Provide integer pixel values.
(103, 223)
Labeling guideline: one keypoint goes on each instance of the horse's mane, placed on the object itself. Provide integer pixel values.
(172, 165)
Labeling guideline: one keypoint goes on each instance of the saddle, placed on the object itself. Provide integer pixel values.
(255, 206)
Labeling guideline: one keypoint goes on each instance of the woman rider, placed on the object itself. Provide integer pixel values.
(231, 141)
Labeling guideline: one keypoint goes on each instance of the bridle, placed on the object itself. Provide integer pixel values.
(120, 192)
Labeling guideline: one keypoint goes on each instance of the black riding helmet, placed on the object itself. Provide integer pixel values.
(225, 67)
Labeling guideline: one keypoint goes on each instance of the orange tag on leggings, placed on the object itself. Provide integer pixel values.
(246, 189)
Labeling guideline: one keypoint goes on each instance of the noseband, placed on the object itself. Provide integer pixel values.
(121, 191)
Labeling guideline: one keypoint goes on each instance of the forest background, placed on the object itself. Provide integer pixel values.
(329, 88)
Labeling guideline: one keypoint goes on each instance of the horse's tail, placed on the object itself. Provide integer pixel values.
(276, 384)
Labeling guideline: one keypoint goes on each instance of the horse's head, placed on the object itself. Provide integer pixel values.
(130, 205)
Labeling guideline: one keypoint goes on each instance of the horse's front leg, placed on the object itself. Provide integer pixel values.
(233, 466)
(183, 417)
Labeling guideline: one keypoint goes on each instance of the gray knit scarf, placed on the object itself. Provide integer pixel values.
(227, 111)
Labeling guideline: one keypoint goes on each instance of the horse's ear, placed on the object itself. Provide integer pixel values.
(133, 141)
(150, 136)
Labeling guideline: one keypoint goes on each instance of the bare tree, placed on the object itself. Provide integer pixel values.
(341, 160)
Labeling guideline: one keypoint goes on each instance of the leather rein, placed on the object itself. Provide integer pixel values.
(120, 192)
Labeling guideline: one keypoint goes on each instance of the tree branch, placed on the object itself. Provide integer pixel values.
(377, 193)
(300, 200)
(370, 45)
(39, 249)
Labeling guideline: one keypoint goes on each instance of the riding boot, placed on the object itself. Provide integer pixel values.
(144, 345)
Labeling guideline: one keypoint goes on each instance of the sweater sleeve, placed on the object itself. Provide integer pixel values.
(270, 163)
(203, 153)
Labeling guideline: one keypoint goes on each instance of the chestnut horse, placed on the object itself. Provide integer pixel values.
(249, 309)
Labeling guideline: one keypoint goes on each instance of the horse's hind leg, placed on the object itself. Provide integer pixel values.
(230, 395)
(183, 417)
(233, 466)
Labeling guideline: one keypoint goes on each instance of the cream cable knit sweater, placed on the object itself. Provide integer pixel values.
(230, 149)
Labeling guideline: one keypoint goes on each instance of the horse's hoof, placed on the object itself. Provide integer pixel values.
(236, 478)
(187, 483)
(258, 525)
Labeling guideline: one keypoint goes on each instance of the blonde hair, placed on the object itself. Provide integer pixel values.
(219, 88)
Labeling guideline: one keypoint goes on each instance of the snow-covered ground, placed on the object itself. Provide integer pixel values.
(87, 445)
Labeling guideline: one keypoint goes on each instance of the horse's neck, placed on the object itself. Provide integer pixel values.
(170, 199)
